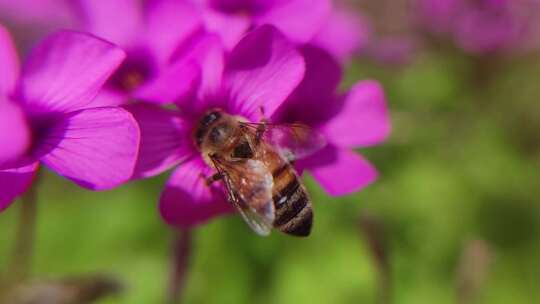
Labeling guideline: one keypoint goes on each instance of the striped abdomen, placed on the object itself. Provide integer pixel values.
(294, 214)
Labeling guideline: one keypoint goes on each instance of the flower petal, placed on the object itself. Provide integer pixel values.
(174, 82)
(119, 21)
(344, 33)
(363, 119)
(197, 67)
(65, 72)
(263, 70)
(340, 171)
(14, 182)
(187, 200)
(9, 61)
(317, 90)
(323, 74)
(229, 27)
(165, 139)
(96, 148)
(170, 24)
(109, 98)
(299, 20)
(208, 51)
(15, 137)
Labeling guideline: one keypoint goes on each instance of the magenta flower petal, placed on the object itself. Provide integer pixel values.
(299, 20)
(15, 137)
(263, 70)
(363, 119)
(174, 82)
(318, 87)
(322, 77)
(96, 148)
(108, 98)
(65, 72)
(114, 20)
(229, 27)
(343, 34)
(14, 182)
(9, 63)
(197, 67)
(165, 139)
(208, 52)
(340, 171)
(187, 200)
(170, 22)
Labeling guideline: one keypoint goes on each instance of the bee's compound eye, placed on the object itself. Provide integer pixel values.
(209, 118)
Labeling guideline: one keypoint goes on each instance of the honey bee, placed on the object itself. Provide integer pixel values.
(255, 163)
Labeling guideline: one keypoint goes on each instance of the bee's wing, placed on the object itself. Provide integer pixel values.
(294, 141)
(249, 187)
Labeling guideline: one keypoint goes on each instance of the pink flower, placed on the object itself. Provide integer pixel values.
(355, 119)
(51, 120)
(30, 20)
(344, 34)
(264, 69)
(486, 26)
(141, 26)
(299, 20)
(336, 28)
(160, 39)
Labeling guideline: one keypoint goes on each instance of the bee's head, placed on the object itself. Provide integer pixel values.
(214, 130)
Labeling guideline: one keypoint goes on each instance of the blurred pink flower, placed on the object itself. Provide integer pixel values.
(160, 38)
(344, 34)
(398, 49)
(393, 37)
(484, 26)
(299, 20)
(333, 26)
(46, 115)
(141, 26)
(30, 20)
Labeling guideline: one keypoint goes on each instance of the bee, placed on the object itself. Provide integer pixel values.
(255, 163)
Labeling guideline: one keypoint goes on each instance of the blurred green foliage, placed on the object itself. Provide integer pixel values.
(462, 164)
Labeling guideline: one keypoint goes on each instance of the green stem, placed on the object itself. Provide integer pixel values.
(374, 233)
(25, 236)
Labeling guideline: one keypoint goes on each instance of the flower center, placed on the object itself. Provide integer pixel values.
(133, 73)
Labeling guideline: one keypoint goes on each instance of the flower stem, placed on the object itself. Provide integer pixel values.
(473, 270)
(25, 235)
(373, 230)
(182, 247)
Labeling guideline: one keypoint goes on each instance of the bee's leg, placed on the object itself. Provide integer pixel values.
(211, 179)
(263, 116)
(261, 128)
